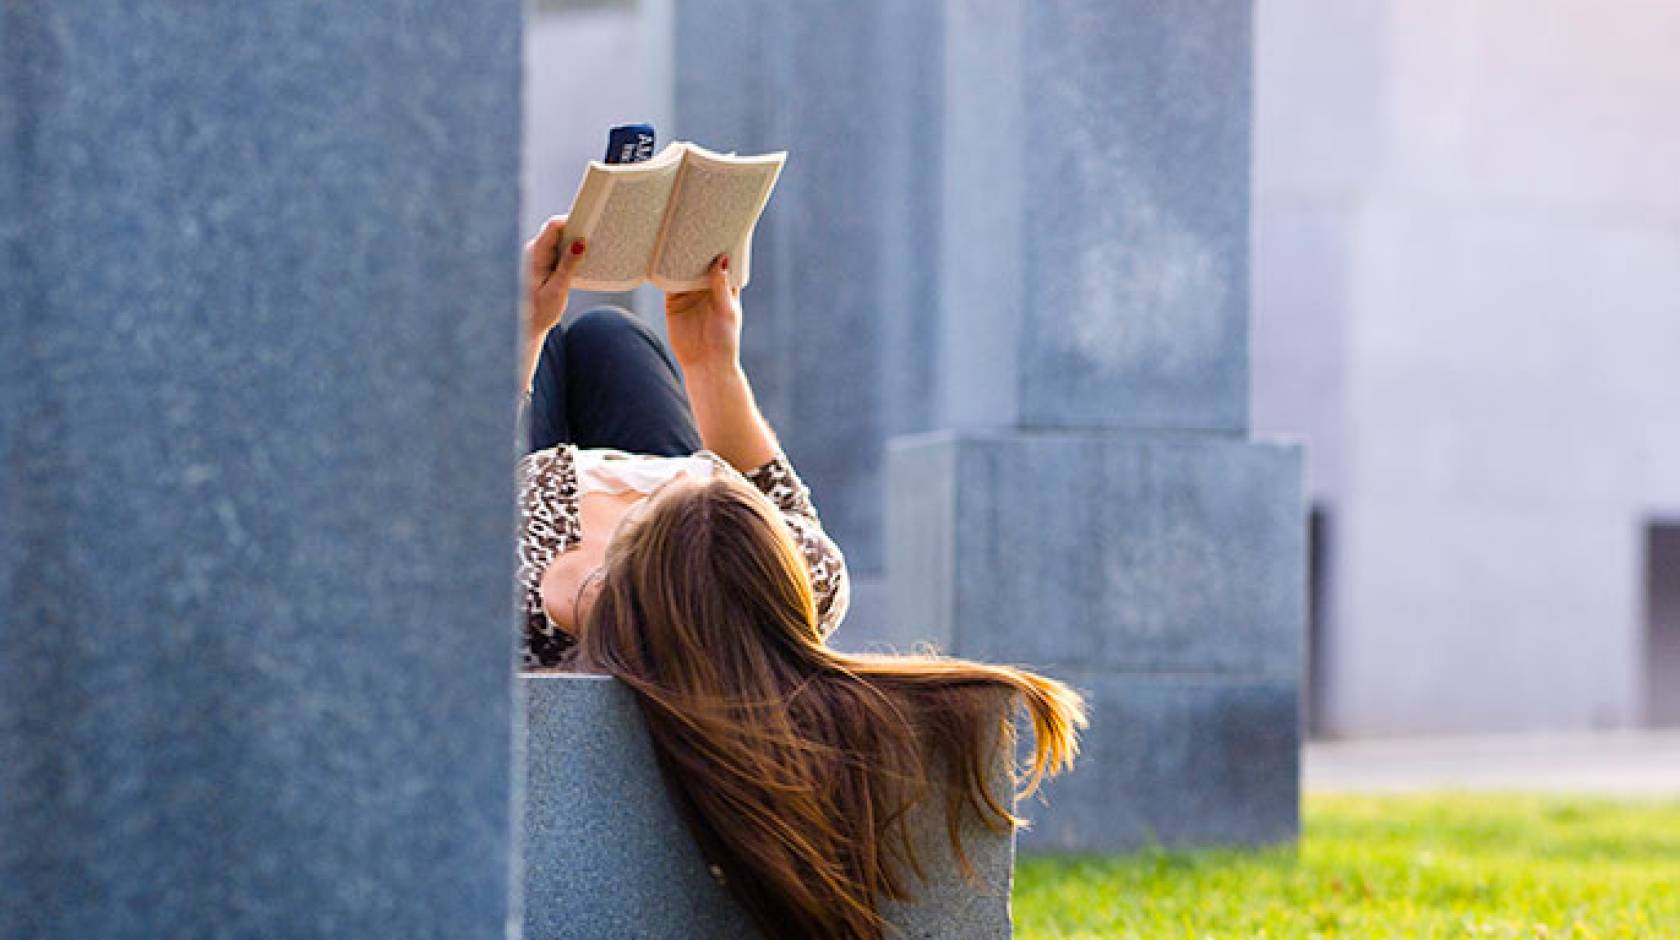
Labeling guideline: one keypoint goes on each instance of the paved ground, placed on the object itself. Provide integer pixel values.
(1619, 763)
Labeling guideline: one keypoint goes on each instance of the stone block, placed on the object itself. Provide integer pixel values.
(1131, 552)
(922, 526)
(1175, 760)
(1094, 251)
(606, 853)
(256, 344)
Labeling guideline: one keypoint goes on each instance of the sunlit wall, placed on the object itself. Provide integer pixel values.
(1467, 296)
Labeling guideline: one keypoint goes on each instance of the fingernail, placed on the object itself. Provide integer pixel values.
(577, 247)
(724, 264)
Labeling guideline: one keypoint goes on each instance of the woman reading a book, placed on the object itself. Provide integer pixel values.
(667, 541)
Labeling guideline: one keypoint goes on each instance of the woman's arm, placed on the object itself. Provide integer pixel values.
(704, 329)
(705, 335)
(548, 281)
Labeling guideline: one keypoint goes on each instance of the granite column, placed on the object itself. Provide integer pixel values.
(257, 327)
(1093, 506)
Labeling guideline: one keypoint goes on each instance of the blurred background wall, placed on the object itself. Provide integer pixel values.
(1466, 298)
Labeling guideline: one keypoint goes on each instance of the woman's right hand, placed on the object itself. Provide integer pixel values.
(548, 277)
(703, 327)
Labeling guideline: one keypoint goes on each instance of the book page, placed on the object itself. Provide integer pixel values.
(716, 206)
(618, 211)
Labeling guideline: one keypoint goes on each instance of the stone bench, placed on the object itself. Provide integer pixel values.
(605, 854)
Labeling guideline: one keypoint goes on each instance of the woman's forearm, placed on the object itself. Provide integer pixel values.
(727, 415)
(529, 353)
(548, 283)
(704, 330)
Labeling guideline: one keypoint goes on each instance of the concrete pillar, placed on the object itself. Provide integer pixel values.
(1000, 319)
(841, 316)
(256, 381)
(1094, 507)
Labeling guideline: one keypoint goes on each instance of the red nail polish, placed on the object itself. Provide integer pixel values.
(577, 247)
(725, 263)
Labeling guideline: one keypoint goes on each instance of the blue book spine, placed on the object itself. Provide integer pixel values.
(629, 143)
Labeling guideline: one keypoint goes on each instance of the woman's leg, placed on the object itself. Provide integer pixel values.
(606, 380)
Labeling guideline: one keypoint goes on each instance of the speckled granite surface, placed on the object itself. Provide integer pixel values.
(257, 288)
(607, 856)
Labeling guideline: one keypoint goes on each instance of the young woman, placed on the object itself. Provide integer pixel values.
(680, 553)
(610, 421)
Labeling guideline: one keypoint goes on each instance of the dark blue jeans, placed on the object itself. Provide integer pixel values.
(605, 379)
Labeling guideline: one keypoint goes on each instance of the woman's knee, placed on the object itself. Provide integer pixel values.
(606, 325)
(614, 339)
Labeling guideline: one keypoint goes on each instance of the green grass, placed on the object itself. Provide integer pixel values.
(1387, 866)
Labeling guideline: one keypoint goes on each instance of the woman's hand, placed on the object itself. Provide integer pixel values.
(703, 327)
(548, 281)
(548, 277)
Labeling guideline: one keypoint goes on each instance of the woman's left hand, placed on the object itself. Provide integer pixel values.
(548, 278)
(703, 327)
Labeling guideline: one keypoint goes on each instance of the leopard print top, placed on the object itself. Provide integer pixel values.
(548, 525)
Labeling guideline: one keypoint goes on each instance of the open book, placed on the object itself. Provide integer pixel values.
(665, 219)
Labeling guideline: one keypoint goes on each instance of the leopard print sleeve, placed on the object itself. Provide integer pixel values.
(548, 525)
(829, 580)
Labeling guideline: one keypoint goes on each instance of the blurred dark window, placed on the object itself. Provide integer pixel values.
(1316, 688)
(1662, 623)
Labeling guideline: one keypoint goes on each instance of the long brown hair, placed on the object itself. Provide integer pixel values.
(798, 764)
